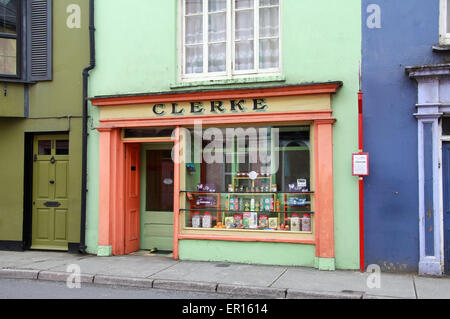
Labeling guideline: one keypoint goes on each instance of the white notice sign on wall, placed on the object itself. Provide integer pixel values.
(360, 164)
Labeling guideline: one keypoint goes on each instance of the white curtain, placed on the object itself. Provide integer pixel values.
(244, 37)
(269, 35)
(217, 47)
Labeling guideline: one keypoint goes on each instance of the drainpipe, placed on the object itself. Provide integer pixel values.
(85, 125)
(361, 179)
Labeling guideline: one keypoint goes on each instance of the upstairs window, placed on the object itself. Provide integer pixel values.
(444, 37)
(230, 38)
(25, 40)
(9, 23)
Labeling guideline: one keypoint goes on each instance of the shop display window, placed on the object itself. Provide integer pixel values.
(249, 179)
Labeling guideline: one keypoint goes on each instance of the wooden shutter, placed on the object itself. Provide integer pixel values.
(39, 16)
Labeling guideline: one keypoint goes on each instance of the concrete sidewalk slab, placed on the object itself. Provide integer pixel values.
(235, 274)
(123, 266)
(240, 280)
(345, 282)
(37, 260)
(432, 288)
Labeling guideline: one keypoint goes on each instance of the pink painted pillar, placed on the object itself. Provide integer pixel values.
(104, 223)
(324, 194)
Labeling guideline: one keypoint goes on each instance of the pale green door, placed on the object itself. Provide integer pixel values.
(157, 197)
(50, 192)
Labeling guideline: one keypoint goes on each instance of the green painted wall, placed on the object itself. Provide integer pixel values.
(247, 253)
(55, 106)
(321, 42)
(12, 105)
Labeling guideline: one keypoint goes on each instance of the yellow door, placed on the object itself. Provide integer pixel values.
(50, 192)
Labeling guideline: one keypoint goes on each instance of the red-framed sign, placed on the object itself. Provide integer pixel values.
(360, 164)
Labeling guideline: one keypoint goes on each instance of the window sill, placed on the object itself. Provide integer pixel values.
(441, 47)
(218, 235)
(13, 80)
(228, 82)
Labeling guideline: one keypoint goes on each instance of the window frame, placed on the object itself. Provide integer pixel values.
(229, 73)
(444, 36)
(18, 37)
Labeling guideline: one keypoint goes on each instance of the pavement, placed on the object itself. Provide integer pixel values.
(237, 280)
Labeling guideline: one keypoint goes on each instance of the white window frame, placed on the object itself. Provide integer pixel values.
(229, 73)
(444, 37)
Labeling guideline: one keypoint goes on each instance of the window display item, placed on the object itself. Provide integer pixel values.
(250, 220)
(263, 221)
(206, 201)
(295, 222)
(274, 188)
(206, 188)
(273, 222)
(238, 219)
(306, 222)
(229, 221)
(196, 220)
(191, 168)
(234, 204)
(296, 202)
(206, 220)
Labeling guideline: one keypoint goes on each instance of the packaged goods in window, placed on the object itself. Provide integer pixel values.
(296, 202)
(206, 188)
(302, 185)
(263, 221)
(206, 201)
(295, 222)
(229, 221)
(238, 219)
(268, 204)
(250, 220)
(196, 220)
(206, 220)
(253, 220)
(306, 222)
(273, 222)
(234, 204)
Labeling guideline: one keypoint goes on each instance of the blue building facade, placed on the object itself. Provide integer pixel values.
(404, 81)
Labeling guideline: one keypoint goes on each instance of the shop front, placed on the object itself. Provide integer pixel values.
(231, 173)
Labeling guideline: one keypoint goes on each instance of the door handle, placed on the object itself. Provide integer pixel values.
(52, 182)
